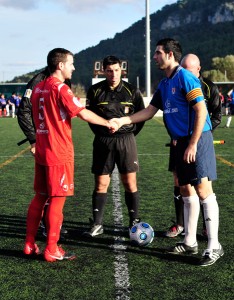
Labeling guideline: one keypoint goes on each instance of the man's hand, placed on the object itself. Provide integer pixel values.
(114, 125)
(190, 153)
(33, 149)
(117, 121)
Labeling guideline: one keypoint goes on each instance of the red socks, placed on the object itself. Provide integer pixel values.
(34, 215)
(54, 220)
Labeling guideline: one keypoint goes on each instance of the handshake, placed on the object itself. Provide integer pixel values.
(115, 124)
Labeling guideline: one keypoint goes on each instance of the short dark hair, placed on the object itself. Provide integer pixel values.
(171, 45)
(110, 60)
(56, 56)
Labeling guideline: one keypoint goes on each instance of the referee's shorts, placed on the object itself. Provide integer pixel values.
(120, 150)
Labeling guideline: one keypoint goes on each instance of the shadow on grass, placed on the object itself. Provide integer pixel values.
(118, 241)
(12, 226)
(114, 239)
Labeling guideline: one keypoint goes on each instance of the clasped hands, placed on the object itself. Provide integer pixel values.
(115, 124)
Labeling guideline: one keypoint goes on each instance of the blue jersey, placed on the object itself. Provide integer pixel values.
(175, 96)
(232, 97)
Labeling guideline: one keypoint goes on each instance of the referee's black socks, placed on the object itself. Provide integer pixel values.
(132, 201)
(99, 202)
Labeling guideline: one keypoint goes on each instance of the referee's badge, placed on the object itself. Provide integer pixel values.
(126, 109)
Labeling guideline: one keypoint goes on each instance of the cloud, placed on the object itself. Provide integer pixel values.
(22, 4)
(79, 6)
(69, 5)
(91, 5)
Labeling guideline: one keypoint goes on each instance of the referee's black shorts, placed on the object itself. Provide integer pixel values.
(119, 150)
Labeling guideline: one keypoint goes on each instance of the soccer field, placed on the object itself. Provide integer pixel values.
(108, 267)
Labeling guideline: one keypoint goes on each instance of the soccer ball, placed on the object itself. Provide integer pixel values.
(142, 234)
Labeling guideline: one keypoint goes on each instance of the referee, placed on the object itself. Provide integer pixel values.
(113, 98)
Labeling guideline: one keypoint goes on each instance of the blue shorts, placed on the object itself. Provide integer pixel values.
(205, 164)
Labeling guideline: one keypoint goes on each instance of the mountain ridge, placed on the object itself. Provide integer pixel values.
(203, 27)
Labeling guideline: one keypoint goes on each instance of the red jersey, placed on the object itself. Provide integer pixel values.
(53, 106)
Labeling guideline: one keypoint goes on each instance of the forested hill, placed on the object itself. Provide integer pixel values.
(203, 27)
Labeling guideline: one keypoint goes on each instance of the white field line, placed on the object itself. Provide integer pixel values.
(122, 282)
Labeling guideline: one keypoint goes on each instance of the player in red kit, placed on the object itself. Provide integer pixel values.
(53, 107)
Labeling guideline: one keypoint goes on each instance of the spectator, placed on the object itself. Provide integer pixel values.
(221, 96)
(3, 104)
(17, 104)
(230, 96)
(11, 105)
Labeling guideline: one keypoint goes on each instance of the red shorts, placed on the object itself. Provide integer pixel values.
(54, 181)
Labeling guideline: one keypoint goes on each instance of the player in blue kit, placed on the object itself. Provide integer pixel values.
(180, 97)
(212, 98)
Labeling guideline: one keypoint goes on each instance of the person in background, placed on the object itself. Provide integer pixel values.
(114, 97)
(11, 105)
(214, 105)
(53, 106)
(230, 95)
(180, 97)
(17, 104)
(221, 96)
(3, 104)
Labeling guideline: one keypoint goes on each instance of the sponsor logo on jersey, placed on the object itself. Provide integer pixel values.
(37, 91)
(168, 104)
(39, 131)
(169, 109)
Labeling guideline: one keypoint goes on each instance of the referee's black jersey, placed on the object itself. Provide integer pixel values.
(213, 102)
(124, 100)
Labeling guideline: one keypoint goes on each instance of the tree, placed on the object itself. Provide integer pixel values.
(225, 65)
(214, 75)
(223, 69)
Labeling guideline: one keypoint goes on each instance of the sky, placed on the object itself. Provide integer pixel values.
(29, 29)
